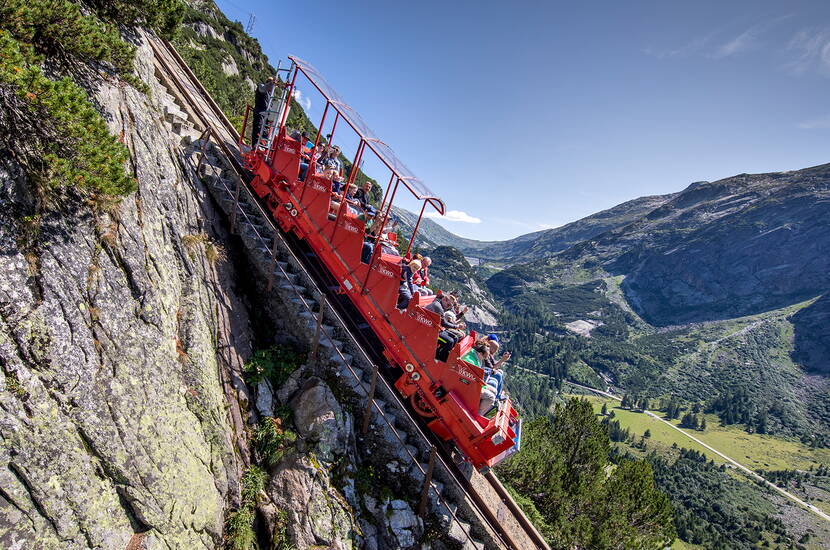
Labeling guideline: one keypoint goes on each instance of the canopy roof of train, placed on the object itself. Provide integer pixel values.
(385, 153)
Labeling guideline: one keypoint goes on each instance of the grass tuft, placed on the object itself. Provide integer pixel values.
(272, 440)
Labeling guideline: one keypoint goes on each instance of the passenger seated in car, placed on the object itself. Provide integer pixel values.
(386, 246)
(452, 331)
(493, 388)
(407, 289)
(441, 305)
(363, 195)
(421, 278)
(351, 202)
(332, 168)
(305, 153)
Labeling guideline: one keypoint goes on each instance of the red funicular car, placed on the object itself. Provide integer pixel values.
(445, 393)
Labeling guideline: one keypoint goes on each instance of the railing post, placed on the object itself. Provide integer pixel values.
(273, 264)
(203, 149)
(235, 206)
(422, 505)
(367, 414)
(316, 343)
(245, 126)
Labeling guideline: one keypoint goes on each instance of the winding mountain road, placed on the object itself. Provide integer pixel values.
(732, 461)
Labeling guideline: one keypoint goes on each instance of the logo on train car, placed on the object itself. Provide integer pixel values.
(385, 271)
(350, 228)
(423, 319)
(464, 371)
(317, 186)
(288, 149)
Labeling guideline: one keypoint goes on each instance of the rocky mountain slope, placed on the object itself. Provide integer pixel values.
(531, 245)
(719, 279)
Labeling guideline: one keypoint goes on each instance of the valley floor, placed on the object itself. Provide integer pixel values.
(723, 444)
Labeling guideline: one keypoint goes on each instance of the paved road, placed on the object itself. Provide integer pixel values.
(735, 463)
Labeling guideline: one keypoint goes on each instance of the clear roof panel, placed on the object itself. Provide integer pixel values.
(381, 149)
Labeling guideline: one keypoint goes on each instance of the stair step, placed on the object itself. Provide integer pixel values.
(347, 358)
(458, 530)
(331, 343)
(280, 274)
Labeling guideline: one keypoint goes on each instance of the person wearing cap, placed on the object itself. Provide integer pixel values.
(451, 332)
(441, 303)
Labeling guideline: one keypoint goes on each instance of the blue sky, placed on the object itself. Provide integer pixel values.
(529, 115)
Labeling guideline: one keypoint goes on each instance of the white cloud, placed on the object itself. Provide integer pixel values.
(718, 44)
(811, 51)
(691, 48)
(305, 102)
(815, 123)
(454, 216)
(740, 43)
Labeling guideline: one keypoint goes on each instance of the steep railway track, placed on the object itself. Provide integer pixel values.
(491, 504)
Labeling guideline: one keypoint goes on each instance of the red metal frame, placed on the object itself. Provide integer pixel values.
(450, 389)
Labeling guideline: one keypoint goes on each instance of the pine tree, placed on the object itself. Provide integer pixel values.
(647, 434)
(604, 411)
(563, 465)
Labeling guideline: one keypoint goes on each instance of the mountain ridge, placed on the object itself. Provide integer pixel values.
(528, 245)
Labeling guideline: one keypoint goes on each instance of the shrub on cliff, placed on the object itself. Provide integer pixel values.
(50, 128)
(47, 123)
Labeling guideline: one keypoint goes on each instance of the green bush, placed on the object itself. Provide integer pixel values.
(163, 16)
(239, 529)
(59, 30)
(564, 469)
(253, 483)
(239, 525)
(275, 364)
(51, 128)
(48, 125)
(272, 440)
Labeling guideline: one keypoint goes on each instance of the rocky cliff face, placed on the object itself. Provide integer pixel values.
(735, 247)
(113, 416)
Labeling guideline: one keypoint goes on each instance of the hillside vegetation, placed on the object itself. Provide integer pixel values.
(714, 297)
(53, 54)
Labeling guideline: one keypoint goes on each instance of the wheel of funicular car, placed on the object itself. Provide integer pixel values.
(420, 405)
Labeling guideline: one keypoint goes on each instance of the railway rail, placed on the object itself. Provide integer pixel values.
(491, 507)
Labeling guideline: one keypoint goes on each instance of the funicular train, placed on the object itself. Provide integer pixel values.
(445, 393)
